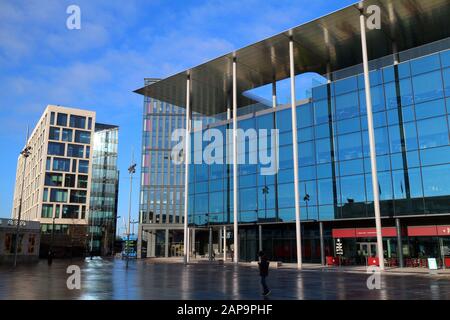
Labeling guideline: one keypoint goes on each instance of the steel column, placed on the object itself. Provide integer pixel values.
(322, 244)
(373, 157)
(235, 168)
(295, 155)
(187, 156)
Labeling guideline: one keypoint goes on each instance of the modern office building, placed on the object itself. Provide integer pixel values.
(57, 179)
(104, 189)
(353, 176)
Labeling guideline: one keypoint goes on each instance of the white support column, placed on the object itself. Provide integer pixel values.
(373, 156)
(224, 243)
(235, 168)
(187, 156)
(295, 156)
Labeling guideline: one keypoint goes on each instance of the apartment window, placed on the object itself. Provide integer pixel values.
(61, 119)
(53, 179)
(48, 164)
(57, 211)
(52, 118)
(47, 211)
(61, 164)
(77, 122)
(67, 135)
(70, 212)
(54, 133)
(74, 150)
(69, 181)
(55, 148)
(83, 166)
(88, 152)
(78, 196)
(74, 165)
(58, 195)
(82, 136)
(82, 181)
(45, 195)
(89, 123)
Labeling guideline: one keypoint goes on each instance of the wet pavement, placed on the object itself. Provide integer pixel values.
(109, 279)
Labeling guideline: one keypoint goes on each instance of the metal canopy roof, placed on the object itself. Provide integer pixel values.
(334, 39)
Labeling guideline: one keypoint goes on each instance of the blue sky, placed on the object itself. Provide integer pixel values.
(119, 43)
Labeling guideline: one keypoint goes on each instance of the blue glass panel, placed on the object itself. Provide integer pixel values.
(216, 203)
(247, 181)
(381, 142)
(324, 171)
(265, 121)
(305, 134)
(325, 188)
(308, 192)
(308, 212)
(347, 126)
(405, 91)
(286, 195)
(433, 156)
(446, 76)
(326, 212)
(408, 113)
(323, 150)
(400, 187)
(445, 58)
(285, 138)
(266, 198)
(410, 132)
(320, 92)
(304, 116)
(383, 164)
(352, 189)
(404, 70)
(432, 132)
(285, 176)
(392, 117)
(201, 203)
(388, 74)
(425, 64)
(412, 159)
(250, 199)
(349, 146)
(201, 187)
(430, 109)
(307, 173)
(306, 154)
(322, 131)
(435, 180)
(394, 139)
(397, 161)
(321, 111)
(351, 167)
(284, 120)
(379, 120)
(285, 154)
(287, 214)
(347, 106)
(345, 85)
(378, 102)
(427, 86)
(384, 186)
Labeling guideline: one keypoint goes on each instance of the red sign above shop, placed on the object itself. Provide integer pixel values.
(443, 230)
(364, 232)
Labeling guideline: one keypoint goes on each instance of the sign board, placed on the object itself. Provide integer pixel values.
(432, 264)
(339, 247)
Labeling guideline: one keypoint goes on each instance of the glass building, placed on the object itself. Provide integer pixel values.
(104, 189)
(409, 74)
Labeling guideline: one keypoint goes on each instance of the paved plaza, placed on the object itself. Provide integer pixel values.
(145, 279)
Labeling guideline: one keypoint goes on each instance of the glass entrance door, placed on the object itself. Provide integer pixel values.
(367, 249)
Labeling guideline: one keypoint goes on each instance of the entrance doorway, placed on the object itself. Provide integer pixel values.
(367, 249)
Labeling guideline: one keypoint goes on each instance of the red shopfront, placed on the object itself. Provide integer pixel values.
(359, 244)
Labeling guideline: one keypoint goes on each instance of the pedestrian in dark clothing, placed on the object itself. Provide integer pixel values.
(50, 258)
(264, 272)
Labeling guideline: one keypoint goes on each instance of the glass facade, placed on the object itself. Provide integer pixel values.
(104, 188)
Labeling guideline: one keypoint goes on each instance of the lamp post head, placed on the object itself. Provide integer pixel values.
(132, 169)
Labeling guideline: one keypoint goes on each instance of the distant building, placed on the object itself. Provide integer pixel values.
(57, 181)
(28, 248)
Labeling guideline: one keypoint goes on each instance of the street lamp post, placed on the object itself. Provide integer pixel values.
(25, 153)
(131, 171)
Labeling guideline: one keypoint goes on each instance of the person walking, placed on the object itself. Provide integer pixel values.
(264, 272)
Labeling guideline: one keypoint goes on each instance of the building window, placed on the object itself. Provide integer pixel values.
(89, 123)
(48, 164)
(55, 148)
(62, 119)
(53, 179)
(74, 165)
(82, 136)
(70, 212)
(67, 135)
(54, 133)
(47, 211)
(78, 196)
(61, 164)
(45, 195)
(69, 181)
(83, 166)
(74, 150)
(88, 152)
(77, 122)
(52, 118)
(58, 195)
(82, 181)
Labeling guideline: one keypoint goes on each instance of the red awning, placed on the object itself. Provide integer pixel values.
(419, 231)
(363, 232)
